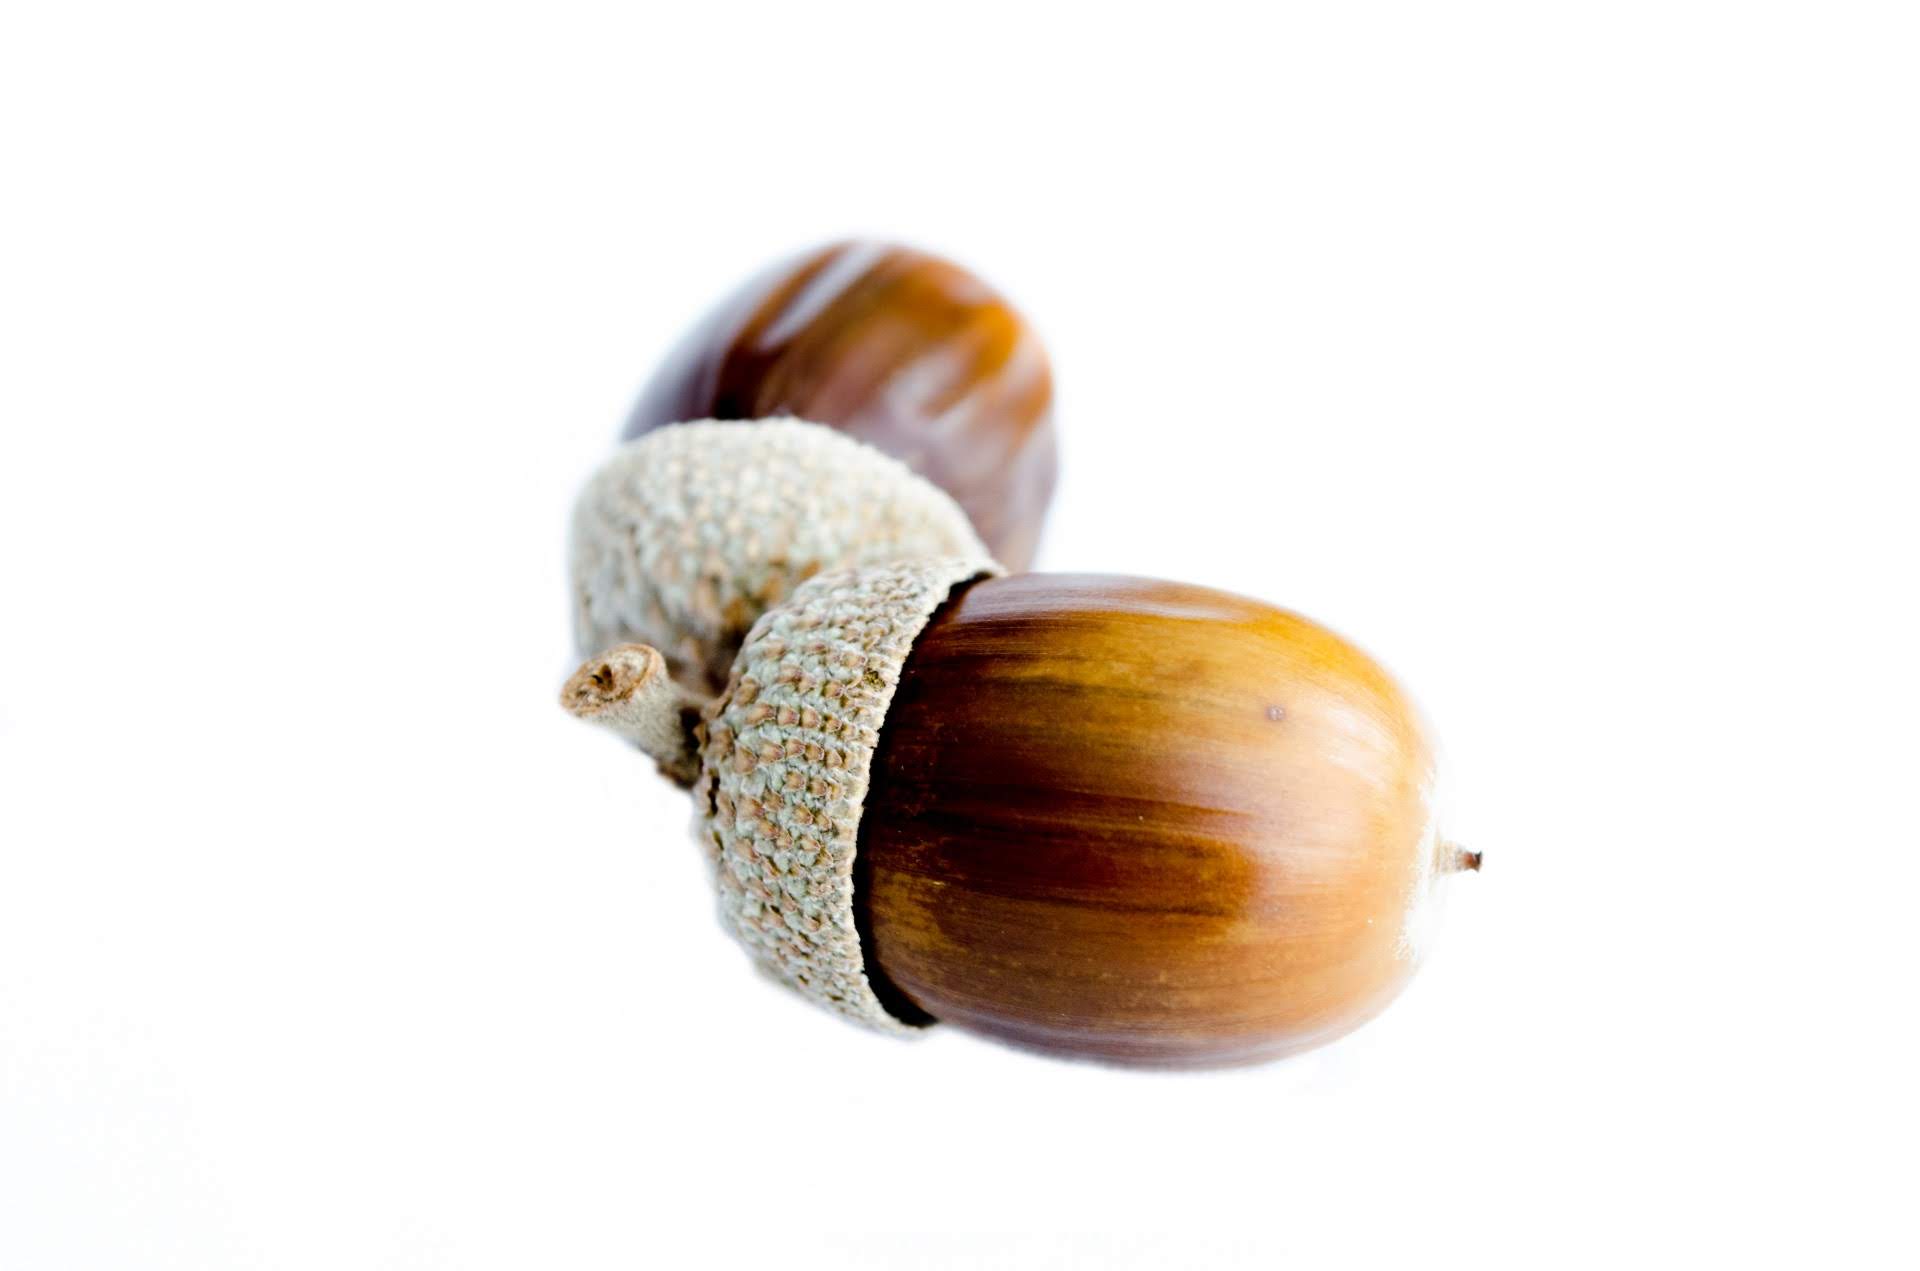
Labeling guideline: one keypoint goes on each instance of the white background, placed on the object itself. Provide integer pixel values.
(1563, 355)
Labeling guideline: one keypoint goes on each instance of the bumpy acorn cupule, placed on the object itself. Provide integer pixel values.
(907, 352)
(685, 536)
(1147, 823)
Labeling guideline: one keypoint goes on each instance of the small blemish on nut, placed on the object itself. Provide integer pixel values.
(1276, 713)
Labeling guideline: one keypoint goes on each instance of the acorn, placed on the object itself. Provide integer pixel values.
(903, 350)
(1112, 818)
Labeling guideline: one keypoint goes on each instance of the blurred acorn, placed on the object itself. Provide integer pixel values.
(907, 352)
(1107, 817)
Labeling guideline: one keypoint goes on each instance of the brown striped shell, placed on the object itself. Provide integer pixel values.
(907, 352)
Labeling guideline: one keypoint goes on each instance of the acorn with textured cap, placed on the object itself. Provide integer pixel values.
(1115, 818)
(898, 348)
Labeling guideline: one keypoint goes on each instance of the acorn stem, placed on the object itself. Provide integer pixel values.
(1457, 859)
(628, 691)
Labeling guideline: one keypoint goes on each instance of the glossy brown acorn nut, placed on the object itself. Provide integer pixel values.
(903, 350)
(1144, 822)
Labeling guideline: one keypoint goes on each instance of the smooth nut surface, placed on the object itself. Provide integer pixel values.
(1142, 821)
(907, 352)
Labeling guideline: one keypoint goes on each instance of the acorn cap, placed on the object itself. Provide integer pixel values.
(687, 535)
(785, 756)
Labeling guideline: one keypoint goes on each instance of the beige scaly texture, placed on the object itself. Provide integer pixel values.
(784, 768)
(688, 534)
